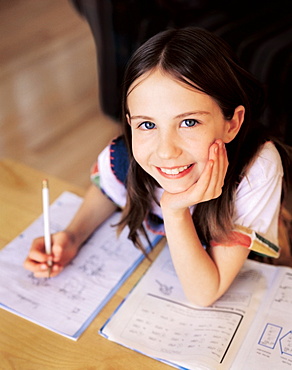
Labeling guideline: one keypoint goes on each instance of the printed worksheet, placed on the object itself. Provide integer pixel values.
(269, 342)
(158, 321)
(67, 303)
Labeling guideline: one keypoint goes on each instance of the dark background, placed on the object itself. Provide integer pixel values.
(260, 32)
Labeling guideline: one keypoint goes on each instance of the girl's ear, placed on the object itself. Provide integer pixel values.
(128, 119)
(233, 125)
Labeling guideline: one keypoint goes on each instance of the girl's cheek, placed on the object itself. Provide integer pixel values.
(200, 169)
(136, 154)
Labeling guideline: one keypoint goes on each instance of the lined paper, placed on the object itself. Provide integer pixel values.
(66, 304)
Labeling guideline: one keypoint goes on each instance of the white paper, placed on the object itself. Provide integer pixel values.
(269, 342)
(157, 320)
(67, 303)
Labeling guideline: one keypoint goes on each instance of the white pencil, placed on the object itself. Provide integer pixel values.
(46, 216)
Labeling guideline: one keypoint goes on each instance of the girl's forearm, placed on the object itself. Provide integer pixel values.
(95, 209)
(196, 270)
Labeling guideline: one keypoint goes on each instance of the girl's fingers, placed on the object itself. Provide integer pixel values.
(219, 158)
(224, 163)
(34, 266)
(201, 188)
(44, 272)
(213, 184)
(37, 252)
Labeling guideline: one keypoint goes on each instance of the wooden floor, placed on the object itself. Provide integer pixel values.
(49, 111)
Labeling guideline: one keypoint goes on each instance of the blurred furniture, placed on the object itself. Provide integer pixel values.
(259, 31)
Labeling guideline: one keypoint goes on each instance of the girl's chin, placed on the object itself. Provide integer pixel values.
(175, 189)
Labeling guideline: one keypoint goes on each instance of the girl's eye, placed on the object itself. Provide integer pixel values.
(147, 125)
(189, 122)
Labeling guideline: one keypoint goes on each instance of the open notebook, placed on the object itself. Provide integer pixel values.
(66, 304)
(249, 328)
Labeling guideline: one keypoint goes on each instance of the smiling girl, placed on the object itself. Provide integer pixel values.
(193, 164)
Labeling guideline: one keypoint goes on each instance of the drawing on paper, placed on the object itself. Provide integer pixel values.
(270, 336)
(73, 289)
(38, 281)
(283, 296)
(93, 267)
(112, 249)
(286, 344)
(164, 289)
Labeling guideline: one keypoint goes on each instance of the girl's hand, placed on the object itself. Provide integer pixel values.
(209, 186)
(63, 251)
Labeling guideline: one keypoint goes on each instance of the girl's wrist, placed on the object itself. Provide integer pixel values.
(176, 213)
(73, 239)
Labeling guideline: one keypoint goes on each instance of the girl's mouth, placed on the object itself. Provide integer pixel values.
(175, 170)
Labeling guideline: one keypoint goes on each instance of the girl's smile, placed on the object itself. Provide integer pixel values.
(173, 126)
(175, 172)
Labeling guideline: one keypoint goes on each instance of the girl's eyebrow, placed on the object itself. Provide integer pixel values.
(197, 112)
(142, 117)
(182, 115)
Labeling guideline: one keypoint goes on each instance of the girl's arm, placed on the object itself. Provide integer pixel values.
(204, 276)
(95, 209)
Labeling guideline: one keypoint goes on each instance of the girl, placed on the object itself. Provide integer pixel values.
(193, 163)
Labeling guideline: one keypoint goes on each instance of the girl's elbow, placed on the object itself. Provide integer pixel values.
(202, 301)
(204, 298)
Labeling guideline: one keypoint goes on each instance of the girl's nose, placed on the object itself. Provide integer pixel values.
(168, 146)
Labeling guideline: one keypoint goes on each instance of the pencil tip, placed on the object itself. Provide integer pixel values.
(45, 183)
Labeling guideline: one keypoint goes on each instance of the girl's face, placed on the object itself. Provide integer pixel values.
(173, 126)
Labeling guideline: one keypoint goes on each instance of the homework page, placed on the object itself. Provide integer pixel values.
(67, 303)
(269, 342)
(157, 320)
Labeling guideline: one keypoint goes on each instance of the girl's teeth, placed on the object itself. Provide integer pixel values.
(174, 171)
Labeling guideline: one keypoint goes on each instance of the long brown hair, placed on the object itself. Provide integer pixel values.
(204, 61)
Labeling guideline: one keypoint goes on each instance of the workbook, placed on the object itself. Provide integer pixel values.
(67, 303)
(249, 327)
